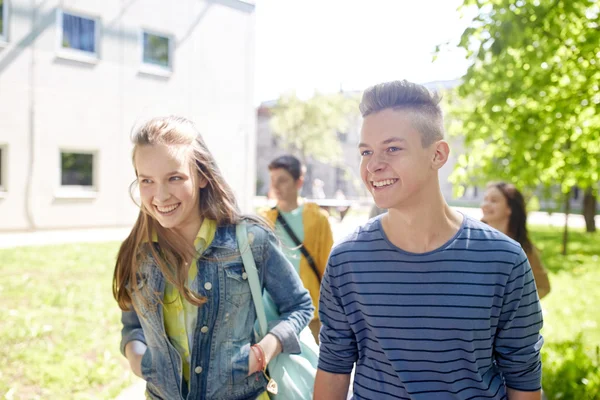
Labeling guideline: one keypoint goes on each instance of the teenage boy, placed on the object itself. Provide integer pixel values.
(302, 226)
(426, 302)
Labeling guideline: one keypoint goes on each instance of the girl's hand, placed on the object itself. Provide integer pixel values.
(134, 351)
(253, 366)
(271, 347)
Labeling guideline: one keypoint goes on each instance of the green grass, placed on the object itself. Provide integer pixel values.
(573, 305)
(571, 314)
(60, 327)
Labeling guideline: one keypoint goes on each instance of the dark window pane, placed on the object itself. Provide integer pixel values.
(156, 50)
(76, 169)
(79, 33)
(1, 172)
(1, 17)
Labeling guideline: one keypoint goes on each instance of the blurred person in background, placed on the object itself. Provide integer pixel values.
(504, 209)
(303, 227)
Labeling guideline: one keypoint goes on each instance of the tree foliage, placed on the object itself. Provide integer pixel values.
(310, 127)
(529, 103)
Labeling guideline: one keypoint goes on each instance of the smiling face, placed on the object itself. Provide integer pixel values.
(496, 210)
(395, 167)
(169, 188)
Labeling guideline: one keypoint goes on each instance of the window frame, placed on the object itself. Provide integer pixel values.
(77, 191)
(3, 169)
(155, 69)
(76, 54)
(4, 33)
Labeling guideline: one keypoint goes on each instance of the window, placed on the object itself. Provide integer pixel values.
(3, 20)
(77, 34)
(77, 169)
(2, 169)
(156, 50)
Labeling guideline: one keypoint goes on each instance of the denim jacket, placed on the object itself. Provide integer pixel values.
(225, 327)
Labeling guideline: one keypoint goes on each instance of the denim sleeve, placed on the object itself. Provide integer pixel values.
(132, 330)
(338, 350)
(283, 283)
(518, 341)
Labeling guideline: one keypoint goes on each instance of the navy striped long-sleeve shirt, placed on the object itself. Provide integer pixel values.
(459, 322)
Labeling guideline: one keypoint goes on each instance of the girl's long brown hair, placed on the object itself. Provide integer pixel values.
(517, 222)
(216, 202)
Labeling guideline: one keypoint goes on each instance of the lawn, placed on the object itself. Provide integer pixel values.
(60, 325)
(571, 314)
(60, 328)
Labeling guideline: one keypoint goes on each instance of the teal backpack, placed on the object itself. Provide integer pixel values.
(294, 374)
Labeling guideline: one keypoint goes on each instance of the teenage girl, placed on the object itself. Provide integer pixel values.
(188, 315)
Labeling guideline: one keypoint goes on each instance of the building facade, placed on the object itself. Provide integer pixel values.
(76, 76)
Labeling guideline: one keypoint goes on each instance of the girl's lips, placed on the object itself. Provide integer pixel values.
(165, 210)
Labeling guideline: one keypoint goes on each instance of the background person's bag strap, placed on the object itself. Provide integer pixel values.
(298, 243)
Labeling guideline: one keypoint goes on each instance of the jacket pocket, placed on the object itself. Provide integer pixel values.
(237, 289)
(147, 370)
(240, 361)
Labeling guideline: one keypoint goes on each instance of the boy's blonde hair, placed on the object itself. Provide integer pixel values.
(423, 104)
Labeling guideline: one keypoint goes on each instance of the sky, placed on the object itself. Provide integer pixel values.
(325, 45)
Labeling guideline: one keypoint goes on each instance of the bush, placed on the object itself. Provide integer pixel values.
(569, 373)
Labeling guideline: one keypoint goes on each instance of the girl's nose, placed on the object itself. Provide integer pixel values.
(162, 193)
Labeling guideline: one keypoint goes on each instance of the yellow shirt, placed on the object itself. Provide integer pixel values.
(180, 316)
(318, 240)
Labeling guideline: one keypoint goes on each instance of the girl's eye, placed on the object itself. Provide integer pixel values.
(366, 153)
(175, 178)
(146, 181)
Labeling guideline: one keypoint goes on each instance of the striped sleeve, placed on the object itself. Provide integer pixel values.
(518, 340)
(337, 351)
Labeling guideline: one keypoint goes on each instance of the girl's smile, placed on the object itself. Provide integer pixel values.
(167, 210)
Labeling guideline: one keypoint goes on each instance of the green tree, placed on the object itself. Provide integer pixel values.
(529, 102)
(311, 127)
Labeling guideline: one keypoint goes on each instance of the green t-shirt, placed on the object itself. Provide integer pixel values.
(294, 220)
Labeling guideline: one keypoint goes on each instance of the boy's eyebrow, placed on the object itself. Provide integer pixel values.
(386, 141)
(393, 139)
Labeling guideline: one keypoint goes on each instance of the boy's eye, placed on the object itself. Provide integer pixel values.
(366, 153)
(394, 149)
(145, 181)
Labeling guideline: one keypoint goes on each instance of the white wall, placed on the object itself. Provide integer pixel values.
(81, 106)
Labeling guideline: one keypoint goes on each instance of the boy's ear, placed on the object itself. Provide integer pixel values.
(440, 154)
(300, 182)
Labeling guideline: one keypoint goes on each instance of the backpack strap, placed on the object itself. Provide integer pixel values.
(282, 221)
(241, 234)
